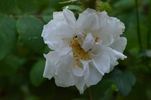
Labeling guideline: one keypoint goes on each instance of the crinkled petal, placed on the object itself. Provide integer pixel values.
(110, 28)
(119, 44)
(114, 56)
(52, 59)
(94, 76)
(86, 69)
(57, 30)
(106, 58)
(81, 80)
(78, 71)
(118, 54)
(102, 61)
(88, 42)
(50, 67)
(69, 16)
(88, 21)
(82, 70)
(80, 84)
(64, 76)
(56, 45)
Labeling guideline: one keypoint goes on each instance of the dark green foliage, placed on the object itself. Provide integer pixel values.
(123, 80)
(8, 35)
(36, 73)
(30, 29)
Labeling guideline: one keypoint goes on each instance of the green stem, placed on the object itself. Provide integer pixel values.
(148, 39)
(90, 94)
(138, 26)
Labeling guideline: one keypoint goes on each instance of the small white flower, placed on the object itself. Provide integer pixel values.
(148, 53)
(84, 49)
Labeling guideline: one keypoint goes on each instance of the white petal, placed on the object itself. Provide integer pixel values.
(111, 28)
(77, 71)
(118, 54)
(106, 58)
(64, 76)
(86, 69)
(81, 80)
(56, 30)
(58, 15)
(81, 71)
(52, 59)
(80, 84)
(69, 16)
(94, 76)
(88, 42)
(88, 21)
(114, 56)
(56, 45)
(119, 44)
(102, 62)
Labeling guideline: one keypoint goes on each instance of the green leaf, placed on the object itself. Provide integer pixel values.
(108, 94)
(124, 4)
(55, 3)
(104, 6)
(47, 15)
(99, 90)
(26, 5)
(123, 80)
(7, 35)
(30, 29)
(7, 6)
(36, 73)
(10, 65)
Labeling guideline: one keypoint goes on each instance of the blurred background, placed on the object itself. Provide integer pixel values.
(22, 49)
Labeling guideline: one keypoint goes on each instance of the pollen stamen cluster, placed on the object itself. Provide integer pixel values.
(78, 52)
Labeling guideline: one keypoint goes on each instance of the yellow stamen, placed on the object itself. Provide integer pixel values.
(78, 51)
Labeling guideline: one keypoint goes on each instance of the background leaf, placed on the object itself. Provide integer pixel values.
(30, 29)
(36, 73)
(123, 80)
(8, 35)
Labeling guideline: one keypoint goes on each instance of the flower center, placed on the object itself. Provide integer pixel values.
(78, 52)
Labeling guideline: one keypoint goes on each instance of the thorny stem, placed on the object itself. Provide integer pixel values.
(138, 26)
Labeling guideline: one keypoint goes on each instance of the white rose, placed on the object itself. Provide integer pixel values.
(84, 49)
